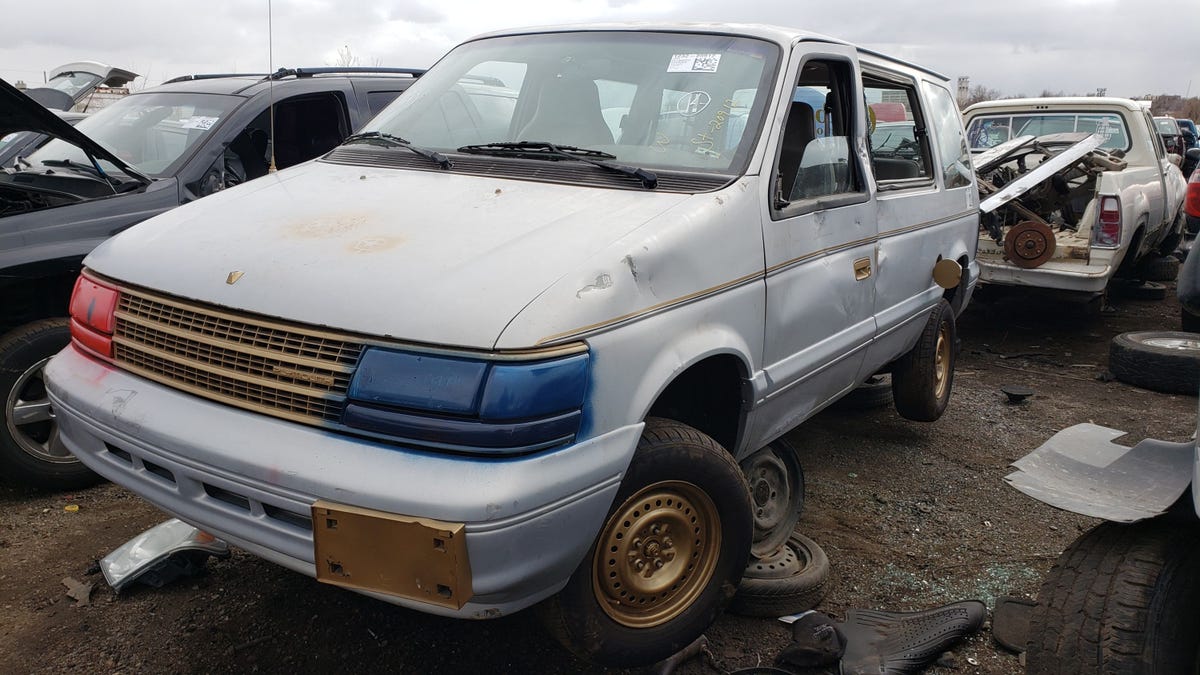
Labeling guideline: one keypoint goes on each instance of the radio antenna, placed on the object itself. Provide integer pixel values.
(271, 86)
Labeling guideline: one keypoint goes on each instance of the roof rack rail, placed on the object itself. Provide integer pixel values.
(211, 76)
(341, 70)
(483, 79)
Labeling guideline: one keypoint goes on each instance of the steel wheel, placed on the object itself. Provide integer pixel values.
(30, 418)
(941, 362)
(777, 491)
(656, 554)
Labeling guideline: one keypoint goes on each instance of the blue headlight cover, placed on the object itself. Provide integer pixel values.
(467, 405)
(417, 381)
(528, 390)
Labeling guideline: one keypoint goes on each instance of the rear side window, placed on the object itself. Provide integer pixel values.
(378, 100)
(946, 125)
(899, 137)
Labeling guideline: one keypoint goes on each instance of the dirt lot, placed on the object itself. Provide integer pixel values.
(911, 516)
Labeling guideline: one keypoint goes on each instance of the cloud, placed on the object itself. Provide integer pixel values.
(1017, 46)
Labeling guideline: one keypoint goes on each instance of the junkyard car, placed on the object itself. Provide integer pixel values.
(1115, 202)
(83, 86)
(1191, 137)
(496, 352)
(139, 157)
(1172, 135)
(1125, 596)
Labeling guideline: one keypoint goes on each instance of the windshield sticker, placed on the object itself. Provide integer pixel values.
(197, 122)
(694, 63)
(692, 103)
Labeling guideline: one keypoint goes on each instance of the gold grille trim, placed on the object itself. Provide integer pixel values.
(280, 370)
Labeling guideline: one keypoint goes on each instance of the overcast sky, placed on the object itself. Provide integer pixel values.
(1017, 46)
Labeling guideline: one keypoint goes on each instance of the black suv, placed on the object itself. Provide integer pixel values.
(141, 156)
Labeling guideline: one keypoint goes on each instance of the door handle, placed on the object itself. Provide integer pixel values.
(862, 269)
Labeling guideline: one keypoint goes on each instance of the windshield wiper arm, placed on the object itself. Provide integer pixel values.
(543, 149)
(387, 140)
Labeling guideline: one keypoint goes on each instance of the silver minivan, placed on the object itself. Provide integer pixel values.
(532, 334)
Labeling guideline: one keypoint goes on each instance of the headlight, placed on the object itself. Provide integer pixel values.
(468, 405)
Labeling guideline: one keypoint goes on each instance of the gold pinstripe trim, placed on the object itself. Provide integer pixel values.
(624, 318)
(928, 223)
(816, 254)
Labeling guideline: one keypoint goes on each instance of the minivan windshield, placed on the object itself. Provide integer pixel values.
(152, 132)
(683, 101)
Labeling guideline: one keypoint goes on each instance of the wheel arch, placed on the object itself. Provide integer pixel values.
(709, 394)
(37, 290)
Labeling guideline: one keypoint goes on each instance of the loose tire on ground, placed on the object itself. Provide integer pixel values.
(1159, 268)
(591, 615)
(1150, 290)
(922, 378)
(30, 453)
(876, 392)
(1166, 361)
(776, 481)
(1121, 600)
(795, 581)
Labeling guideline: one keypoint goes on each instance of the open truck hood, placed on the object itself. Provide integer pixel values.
(18, 112)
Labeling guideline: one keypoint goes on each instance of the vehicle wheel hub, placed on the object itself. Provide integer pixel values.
(30, 419)
(1029, 244)
(656, 554)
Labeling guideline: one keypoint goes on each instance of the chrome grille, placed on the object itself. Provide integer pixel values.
(286, 371)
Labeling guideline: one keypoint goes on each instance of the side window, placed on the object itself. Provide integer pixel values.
(815, 157)
(952, 145)
(899, 137)
(378, 100)
(1155, 137)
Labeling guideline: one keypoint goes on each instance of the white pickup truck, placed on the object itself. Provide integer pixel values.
(1110, 202)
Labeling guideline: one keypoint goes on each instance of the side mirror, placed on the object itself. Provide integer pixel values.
(1175, 159)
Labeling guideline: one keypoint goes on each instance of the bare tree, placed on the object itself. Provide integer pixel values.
(980, 93)
(346, 57)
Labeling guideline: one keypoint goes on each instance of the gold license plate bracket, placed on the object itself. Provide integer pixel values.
(415, 558)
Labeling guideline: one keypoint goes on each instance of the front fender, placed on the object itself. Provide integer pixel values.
(1081, 470)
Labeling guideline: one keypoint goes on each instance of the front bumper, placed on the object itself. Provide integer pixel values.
(1064, 276)
(253, 479)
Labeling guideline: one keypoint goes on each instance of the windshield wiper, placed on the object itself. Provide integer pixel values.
(386, 140)
(544, 150)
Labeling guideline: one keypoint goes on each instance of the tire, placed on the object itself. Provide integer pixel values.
(1159, 268)
(1147, 291)
(923, 378)
(876, 392)
(672, 462)
(29, 451)
(776, 482)
(1166, 361)
(1171, 242)
(770, 589)
(1188, 322)
(1122, 599)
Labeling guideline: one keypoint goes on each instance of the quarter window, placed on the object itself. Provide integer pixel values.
(952, 143)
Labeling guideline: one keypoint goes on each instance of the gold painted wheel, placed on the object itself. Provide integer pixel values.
(656, 554)
(941, 362)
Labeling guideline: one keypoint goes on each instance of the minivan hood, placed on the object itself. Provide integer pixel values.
(424, 256)
(18, 112)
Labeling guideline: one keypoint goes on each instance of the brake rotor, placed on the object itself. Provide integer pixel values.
(1029, 244)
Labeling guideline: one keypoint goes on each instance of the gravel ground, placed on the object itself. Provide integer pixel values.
(911, 515)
